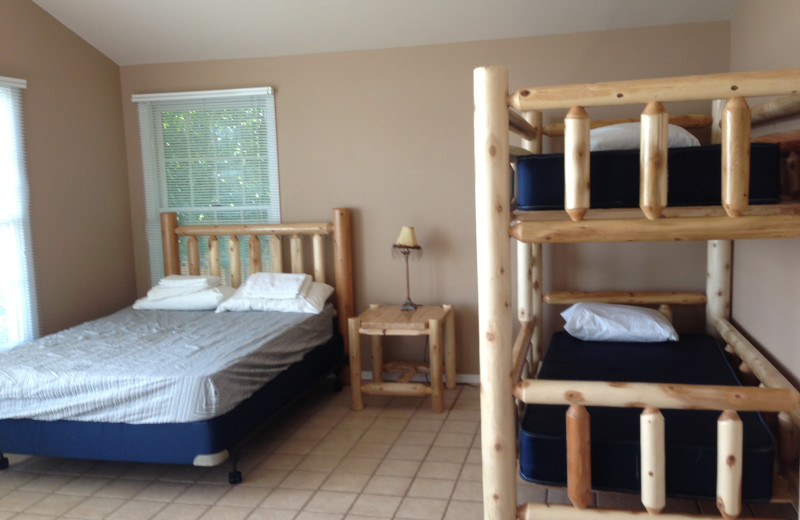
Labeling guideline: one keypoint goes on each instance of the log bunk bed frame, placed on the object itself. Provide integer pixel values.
(108, 444)
(505, 358)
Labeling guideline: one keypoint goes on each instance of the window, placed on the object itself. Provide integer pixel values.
(18, 319)
(212, 158)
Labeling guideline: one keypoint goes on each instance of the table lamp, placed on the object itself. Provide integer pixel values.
(406, 245)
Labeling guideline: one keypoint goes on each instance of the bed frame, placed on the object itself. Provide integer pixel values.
(505, 359)
(185, 443)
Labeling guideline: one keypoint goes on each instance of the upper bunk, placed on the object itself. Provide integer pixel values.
(498, 112)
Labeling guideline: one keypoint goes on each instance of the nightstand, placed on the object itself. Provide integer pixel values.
(435, 321)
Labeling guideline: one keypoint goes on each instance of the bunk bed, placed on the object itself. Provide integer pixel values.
(235, 369)
(512, 366)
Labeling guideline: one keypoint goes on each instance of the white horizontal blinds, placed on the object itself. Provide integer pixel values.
(211, 157)
(18, 317)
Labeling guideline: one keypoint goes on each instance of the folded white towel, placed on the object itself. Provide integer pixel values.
(205, 300)
(277, 286)
(180, 280)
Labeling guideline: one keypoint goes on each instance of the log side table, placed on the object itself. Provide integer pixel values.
(435, 321)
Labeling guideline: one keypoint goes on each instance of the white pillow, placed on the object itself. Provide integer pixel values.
(610, 322)
(627, 136)
(206, 300)
(312, 302)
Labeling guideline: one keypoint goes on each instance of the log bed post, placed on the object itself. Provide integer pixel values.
(492, 196)
(536, 314)
(343, 272)
(169, 244)
(576, 163)
(653, 160)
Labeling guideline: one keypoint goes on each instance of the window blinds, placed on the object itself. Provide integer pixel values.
(210, 156)
(18, 317)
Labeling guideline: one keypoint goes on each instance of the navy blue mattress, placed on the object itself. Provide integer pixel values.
(691, 435)
(694, 178)
(176, 443)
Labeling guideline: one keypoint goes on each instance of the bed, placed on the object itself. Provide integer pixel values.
(183, 386)
(580, 402)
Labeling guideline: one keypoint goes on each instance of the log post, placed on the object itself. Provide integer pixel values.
(524, 281)
(492, 216)
(653, 160)
(576, 163)
(718, 283)
(193, 254)
(353, 324)
(254, 254)
(654, 494)
(343, 270)
(534, 117)
(319, 258)
(169, 242)
(236, 266)
(579, 461)
(729, 464)
(276, 253)
(537, 306)
(213, 256)
(435, 354)
(735, 156)
(296, 253)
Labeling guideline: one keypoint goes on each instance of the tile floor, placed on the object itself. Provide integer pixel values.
(317, 461)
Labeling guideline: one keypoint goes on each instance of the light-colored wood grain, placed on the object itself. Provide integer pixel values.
(520, 349)
(524, 282)
(626, 297)
(254, 254)
(653, 160)
(579, 457)
(355, 364)
(653, 463)
(735, 156)
(682, 88)
(576, 163)
(684, 121)
(533, 511)
(657, 395)
(193, 254)
(435, 355)
(398, 389)
(318, 247)
(450, 347)
(235, 261)
(343, 268)
(729, 464)
(718, 282)
(534, 118)
(296, 253)
(776, 108)
(492, 213)
(276, 253)
(214, 265)
(518, 124)
(762, 210)
(169, 244)
(663, 229)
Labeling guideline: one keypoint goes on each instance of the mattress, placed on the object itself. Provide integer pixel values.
(694, 178)
(690, 434)
(148, 367)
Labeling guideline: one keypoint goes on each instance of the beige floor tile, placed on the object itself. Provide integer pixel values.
(356, 422)
(376, 435)
(463, 427)
(385, 422)
(226, 513)
(431, 488)
(145, 472)
(14, 479)
(161, 492)
(346, 482)
(465, 415)
(458, 510)
(310, 515)
(83, 486)
(361, 465)
(55, 504)
(398, 468)
(94, 508)
(297, 447)
(385, 485)
(474, 456)
(416, 438)
(264, 477)
(34, 516)
(122, 489)
(344, 435)
(454, 440)
(330, 502)
(417, 424)
(330, 448)
(47, 483)
(20, 500)
(471, 491)
(243, 496)
(472, 473)
(281, 461)
(293, 499)
(303, 480)
(201, 494)
(137, 510)
(446, 454)
(442, 470)
(272, 514)
(370, 449)
(375, 505)
(407, 452)
(421, 508)
(181, 512)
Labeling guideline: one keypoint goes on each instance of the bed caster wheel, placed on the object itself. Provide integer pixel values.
(235, 477)
(3, 462)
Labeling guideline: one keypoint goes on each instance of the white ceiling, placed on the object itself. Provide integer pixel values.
(132, 32)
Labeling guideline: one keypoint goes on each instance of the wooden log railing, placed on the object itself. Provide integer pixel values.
(652, 398)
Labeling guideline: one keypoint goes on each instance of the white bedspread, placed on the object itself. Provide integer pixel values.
(144, 367)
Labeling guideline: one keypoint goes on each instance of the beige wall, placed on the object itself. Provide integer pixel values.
(389, 134)
(766, 286)
(76, 167)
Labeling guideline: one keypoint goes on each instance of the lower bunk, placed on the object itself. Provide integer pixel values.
(690, 435)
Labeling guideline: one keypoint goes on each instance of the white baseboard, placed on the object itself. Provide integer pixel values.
(466, 379)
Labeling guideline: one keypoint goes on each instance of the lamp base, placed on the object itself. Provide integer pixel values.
(408, 305)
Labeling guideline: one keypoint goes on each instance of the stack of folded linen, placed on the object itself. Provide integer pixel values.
(182, 292)
(280, 292)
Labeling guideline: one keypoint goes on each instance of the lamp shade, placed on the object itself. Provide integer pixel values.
(407, 238)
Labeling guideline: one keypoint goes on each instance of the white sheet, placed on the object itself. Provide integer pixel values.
(145, 367)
